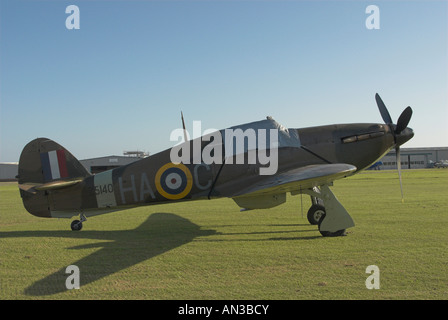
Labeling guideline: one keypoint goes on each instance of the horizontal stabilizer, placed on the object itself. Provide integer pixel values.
(55, 185)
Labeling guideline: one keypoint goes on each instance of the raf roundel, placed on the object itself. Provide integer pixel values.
(173, 181)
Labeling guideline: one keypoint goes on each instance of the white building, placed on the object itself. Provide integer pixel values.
(97, 165)
(411, 158)
(9, 171)
(414, 158)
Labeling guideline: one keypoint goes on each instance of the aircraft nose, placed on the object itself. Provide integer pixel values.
(404, 136)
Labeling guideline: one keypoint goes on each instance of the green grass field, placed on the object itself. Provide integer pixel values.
(210, 250)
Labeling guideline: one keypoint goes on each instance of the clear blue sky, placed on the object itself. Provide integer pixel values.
(120, 81)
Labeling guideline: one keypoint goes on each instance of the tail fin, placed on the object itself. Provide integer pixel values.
(46, 165)
(43, 161)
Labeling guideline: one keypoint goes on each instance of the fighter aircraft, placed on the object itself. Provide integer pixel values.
(53, 183)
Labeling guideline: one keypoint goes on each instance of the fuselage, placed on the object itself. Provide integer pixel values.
(156, 180)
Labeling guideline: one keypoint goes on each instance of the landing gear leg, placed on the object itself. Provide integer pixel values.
(335, 219)
(316, 200)
(76, 225)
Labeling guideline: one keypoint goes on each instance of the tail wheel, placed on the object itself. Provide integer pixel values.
(76, 225)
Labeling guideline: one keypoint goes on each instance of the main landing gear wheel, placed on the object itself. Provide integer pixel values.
(315, 213)
(338, 233)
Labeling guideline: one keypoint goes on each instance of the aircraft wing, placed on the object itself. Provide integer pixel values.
(293, 181)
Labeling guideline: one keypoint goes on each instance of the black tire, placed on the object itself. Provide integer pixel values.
(315, 213)
(338, 233)
(76, 225)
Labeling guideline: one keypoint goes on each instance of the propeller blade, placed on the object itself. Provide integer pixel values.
(403, 120)
(383, 110)
(397, 150)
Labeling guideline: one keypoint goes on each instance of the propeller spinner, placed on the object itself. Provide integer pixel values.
(400, 131)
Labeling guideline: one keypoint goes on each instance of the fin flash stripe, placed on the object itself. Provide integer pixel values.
(54, 165)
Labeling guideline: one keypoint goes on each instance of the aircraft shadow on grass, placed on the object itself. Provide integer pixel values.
(160, 233)
(120, 249)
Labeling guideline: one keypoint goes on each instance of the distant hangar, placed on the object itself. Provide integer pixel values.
(411, 158)
(9, 170)
(97, 165)
(414, 158)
